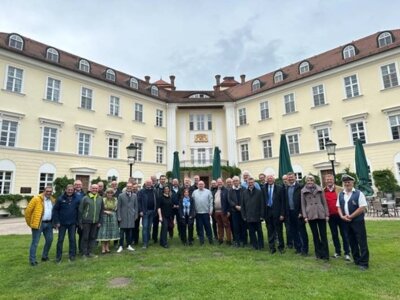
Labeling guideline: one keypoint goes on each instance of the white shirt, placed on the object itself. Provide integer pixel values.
(48, 207)
(362, 201)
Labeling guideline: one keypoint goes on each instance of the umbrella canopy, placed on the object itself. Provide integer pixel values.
(362, 170)
(285, 165)
(216, 166)
(176, 166)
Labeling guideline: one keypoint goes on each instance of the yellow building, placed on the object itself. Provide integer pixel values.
(61, 114)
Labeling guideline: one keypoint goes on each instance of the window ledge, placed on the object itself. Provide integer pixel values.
(243, 125)
(139, 122)
(266, 119)
(114, 116)
(290, 113)
(352, 98)
(14, 93)
(318, 106)
(52, 101)
(390, 88)
(85, 109)
(161, 127)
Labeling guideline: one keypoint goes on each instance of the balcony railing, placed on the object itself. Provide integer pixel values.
(200, 163)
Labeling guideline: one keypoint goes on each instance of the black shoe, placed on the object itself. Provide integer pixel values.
(363, 268)
(211, 242)
(272, 251)
(201, 243)
(281, 251)
(72, 258)
(220, 242)
(305, 254)
(45, 259)
(33, 263)
(190, 243)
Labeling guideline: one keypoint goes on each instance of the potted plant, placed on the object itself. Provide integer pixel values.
(385, 182)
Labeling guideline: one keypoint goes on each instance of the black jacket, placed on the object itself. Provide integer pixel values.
(252, 208)
(233, 200)
(224, 199)
(296, 198)
(278, 203)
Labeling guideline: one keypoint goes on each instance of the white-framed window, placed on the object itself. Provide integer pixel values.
(323, 137)
(304, 67)
(201, 156)
(349, 51)
(110, 75)
(5, 182)
(138, 112)
(15, 41)
(357, 131)
(389, 75)
(318, 95)
(351, 86)
(14, 79)
(114, 106)
(256, 85)
(278, 76)
(159, 154)
(394, 122)
(244, 152)
(267, 148)
(113, 146)
(86, 98)
(45, 179)
(84, 143)
(299, 176)
(112, 174)
(198, 95)
(8, 136)
(264, 110)
(242, 116)
(293, 143)
(49, 138)
(200, 122)
(84, 66)
(384, 39)
(154, 91)
(209, 121)
(133, 83)
(159, 117)
(139, 153)
(290, 106)
(53, 89)
(52, 55)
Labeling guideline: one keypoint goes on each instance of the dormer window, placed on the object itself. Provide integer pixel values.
(154, 91)
(15, 41)
(304, 67)
(84, 65)
(52, 54)
(349, 51)
(133, 83)
(278, 76)
(384, 39)
(256, 85)
(110, 75)
(199, 96)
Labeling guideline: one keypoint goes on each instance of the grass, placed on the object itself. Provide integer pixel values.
(213, 272)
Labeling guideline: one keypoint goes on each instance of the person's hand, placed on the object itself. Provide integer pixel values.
(141, 214)
(160, 219)
(57, 226)
(327, 219)
(238, 207)
(306, 220)
(281, 218)
(98, 225)
(228, 214)
(300, 216)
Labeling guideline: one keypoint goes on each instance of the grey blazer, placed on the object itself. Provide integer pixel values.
(127, 210)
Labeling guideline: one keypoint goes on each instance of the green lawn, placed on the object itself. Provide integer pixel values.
(213, 272)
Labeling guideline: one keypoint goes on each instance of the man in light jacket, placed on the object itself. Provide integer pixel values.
(127, 213)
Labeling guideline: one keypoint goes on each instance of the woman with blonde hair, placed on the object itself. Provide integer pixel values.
(109, 229)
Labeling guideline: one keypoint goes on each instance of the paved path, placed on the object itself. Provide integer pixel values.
(18, 226)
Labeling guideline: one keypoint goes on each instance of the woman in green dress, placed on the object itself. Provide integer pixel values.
(109, 230)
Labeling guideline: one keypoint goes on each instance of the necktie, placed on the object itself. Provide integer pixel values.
(270, 195)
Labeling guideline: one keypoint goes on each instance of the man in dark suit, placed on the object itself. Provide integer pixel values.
(293, 212)
(274, 213)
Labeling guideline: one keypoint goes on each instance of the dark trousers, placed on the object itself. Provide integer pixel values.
(165, 227)
(239, 228)
(147, 221)
(358, 242)
(336, 222)
(135, 232)
(71, 239)
(318, 229)
(214, 226)
(275, 230)
(289, 238)
(203, 223)
(256, 235)
(298, 232)
(154, 233)
(175, 217)
(89, 235)
(125, 234)
(79, 232)
(186, 225)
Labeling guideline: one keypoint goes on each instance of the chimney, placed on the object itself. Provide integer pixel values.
(147, 78)
(172, 79)
(218, 79)
(242, 78)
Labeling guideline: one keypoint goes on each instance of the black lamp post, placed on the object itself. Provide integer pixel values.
(132, 152)
(331, 151)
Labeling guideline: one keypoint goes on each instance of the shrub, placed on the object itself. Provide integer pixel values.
(385, 181)
(316, 178)
(14, 210)
(60, 183)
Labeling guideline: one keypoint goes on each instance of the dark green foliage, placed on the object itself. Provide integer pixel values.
(121, 185)
(98, 179)
(60, 183)
(316, 178)
(385, 181)
(14, 210)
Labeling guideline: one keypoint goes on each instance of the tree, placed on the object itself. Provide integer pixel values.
(385, 181)
(60, 183)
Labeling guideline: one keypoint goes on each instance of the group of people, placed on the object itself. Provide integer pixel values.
(228, 212)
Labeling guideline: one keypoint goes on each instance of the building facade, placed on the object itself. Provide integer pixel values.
(61, 114)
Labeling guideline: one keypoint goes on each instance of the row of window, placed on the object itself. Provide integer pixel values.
(351, 88)
(15, 41)
(14, 83)
(357, 130)
(50, 138)
(384, 39)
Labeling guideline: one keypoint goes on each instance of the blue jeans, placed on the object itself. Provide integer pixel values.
(203, 222)
(71, 239)
(147, 221)
(47, 229)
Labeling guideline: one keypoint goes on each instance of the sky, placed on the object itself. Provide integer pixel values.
(194, 39)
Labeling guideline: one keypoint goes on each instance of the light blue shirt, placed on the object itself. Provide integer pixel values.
(256, 185)
(290, 196)
(48, 207)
